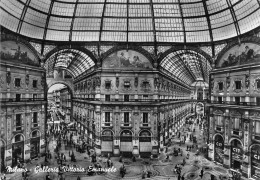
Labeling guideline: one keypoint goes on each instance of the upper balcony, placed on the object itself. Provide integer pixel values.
(22, 100)
(245, 105)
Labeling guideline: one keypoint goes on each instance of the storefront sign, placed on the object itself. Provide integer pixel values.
(219, 149)
(255, 162)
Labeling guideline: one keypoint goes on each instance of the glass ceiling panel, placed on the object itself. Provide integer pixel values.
(80, 24)
(35, 18)
(116, 24)
(116, 10)
(195, 9)
(59, 23)
(8, 21)
(140, 37)
(63, 9)
(168, 19)
(72, 60)
(166, 10)
(42, 5)
(244, 8)
(140, 25)
(139, 10)
(89, 10)
(13, 7)
(33, 31)
(196, 24)
(216, 5)
(168, 24)
(224, 32)
(250, 22)
(221, 19)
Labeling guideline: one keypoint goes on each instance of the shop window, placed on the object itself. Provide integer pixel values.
(219, 120)
(145, 119)
(145, 97)
(126, 98)
(238, 84)
(258, 83)
(219, 99)
(18, 97)
(108, 85)
(18, 122)
(237, 100)
(17, 82)
(127, 84)
(34, 83)
(220, 86)
(107, 118)
(236, 122)
(35, 119)
(126, 119)
(257, 127)
(107, 97)
(258, 101)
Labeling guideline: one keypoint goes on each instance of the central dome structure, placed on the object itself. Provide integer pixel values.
(181, 21)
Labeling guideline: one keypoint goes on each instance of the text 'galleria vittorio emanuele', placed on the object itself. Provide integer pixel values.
(130, 89)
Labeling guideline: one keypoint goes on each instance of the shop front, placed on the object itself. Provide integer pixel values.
(35, 144)
(236, 154)
(2, 155)
(126, 143)
(17, 150)
(145, 145)
(255, 162)
(107, 142)
(219, 149)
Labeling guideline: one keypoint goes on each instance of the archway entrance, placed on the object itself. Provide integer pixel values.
(236, 154)
(126, 143)
(17, 149)
(219, 149)
(107, 142)
(2, 155)
(255, 162)
(145, 145)
(35, 144)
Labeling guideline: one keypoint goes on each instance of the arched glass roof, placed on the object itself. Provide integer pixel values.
(187, 65)
(130, 20)
(74, 61)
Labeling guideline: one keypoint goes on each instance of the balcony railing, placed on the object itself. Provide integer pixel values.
(235, 103)
(129, 100)
(21, 99)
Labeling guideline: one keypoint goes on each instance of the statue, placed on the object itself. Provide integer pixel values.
(156, 82)
(8, 77)
(43, 80)
(117, 82)
(247, 81)
(228, 82)
(136, 81)
(27, 79)
(98, 81)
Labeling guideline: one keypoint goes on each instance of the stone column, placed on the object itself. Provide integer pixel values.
(246, 155)
(97, 130)
(116, 150)
(226, 139)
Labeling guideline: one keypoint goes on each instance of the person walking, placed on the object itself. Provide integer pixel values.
(201, 173)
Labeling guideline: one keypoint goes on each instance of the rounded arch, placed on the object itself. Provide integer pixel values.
(107, 130)
(177, 48)
(15, 138)
(145, 131)
(69, 85)
(9, 37)
(252, 145)
(33, 135)
(230, 141)
(130, 47)
(126, 130)
(79, 48)
(253, 39)
(218, 134)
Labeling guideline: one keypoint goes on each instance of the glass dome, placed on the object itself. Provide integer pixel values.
(183, 21)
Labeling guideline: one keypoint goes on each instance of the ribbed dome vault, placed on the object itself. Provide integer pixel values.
(183, 21)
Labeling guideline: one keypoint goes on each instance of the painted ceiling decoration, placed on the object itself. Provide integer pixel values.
(183, 21)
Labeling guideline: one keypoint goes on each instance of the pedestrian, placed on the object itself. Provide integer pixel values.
(143, 175)
(201, 173)
(182, 178)
(78, 178)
